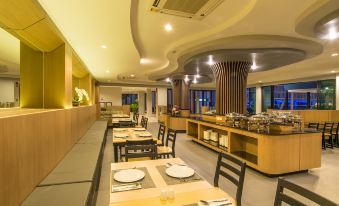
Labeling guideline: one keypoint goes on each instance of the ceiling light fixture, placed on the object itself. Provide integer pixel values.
(195, 81)
(332, 33)
(197, 76)
(254, 66)
(186, 78)
(210, 60)
(260, 81)
(144, 61)
(168, 27)
(104, 46)
(107, 71)
(132, 75)
(168, 79)
(332, 71)
(334, 54)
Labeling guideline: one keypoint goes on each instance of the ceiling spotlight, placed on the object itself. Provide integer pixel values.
(168, 79)
(144, 61)
(168, 27)
(186, 78)
(332, 71)
(332, 33)
(104, 46)
(195, 81)
(334, 54)
(197, 76)
(210, 60)
(107, 71)
(254, 66)
(132, 75)
(260, 81)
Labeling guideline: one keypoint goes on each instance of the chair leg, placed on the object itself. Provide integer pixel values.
(323, 142)
(330, 139)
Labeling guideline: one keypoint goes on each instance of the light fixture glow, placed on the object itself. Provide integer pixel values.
(144, 61)
(168, 79)
(186, 78)
(332, 33)
(260, 81)
(104, 46)
(132, 75)
(254, 66)
(334, 54)
(195, 81)
(210, 60)
(332, 71)
(168, 27)
(197, 76)
(107, 71)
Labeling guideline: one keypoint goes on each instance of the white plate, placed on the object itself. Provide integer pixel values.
(129, 175)
(145, 135)
(121, 135)
(178, 171)
(139, 129)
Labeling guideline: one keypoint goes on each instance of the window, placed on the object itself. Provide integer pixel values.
(169, 100)
(129, 98)
(250, 100)
(200, 98)
(326, 91)
(266, 98)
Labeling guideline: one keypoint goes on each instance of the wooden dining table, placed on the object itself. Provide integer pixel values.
(120, 116)
(132, 135)
(186, 193)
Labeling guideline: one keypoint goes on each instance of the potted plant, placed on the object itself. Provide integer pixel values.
(135, 107)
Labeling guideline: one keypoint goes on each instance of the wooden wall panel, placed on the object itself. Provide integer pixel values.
(31, 145)
(231, 80)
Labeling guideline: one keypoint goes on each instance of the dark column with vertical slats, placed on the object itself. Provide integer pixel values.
(231, 81)
(181, 90)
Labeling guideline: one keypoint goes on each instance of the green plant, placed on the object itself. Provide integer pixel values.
(135, 106)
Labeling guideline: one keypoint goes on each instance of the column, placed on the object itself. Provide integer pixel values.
(141, 100)
(337, 91)
(231, 81)
(149, 102)
(258, 99)
(181, 90)
(161, 100)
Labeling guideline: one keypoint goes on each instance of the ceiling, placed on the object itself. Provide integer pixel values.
(130, 31)
(9, 54)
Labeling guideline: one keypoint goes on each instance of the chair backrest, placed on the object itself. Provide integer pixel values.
(328, 126)
(140, 148)
(144, 124)
(161, 133)
(136, 118)
(314, 125)
(142, 120)
(235, 174)
(171, 137)
(281, 197)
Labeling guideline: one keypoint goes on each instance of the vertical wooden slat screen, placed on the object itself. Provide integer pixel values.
(231, 80)
(181, 90)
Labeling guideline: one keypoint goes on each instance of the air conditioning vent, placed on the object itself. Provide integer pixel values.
(195, 9)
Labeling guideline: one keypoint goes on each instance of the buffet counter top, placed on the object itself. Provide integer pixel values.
(270, 133)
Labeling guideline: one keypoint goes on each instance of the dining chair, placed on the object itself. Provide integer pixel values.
(137, 150)
(136, 118)
(281, 197)
(167, 150)
(126, 124)
(314, 125)
(161, 134)
(144, 123)
(234, 172)
(327, 134)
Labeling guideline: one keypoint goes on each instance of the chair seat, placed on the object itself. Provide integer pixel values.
(138, 159)
(327, 134)
(164, 150)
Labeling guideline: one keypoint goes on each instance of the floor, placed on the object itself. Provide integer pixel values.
(258, 189)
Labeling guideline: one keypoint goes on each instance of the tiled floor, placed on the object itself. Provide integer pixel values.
(258, 189)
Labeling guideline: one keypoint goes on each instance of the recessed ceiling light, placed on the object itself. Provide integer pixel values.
(186, 78)
(144, 61)
(210, 60)
(254, 66)
(334, 54)
(168, 79)
(168, 27)
(197, 76)
(104, 46)
(195, 81)
(132, 75)
(260, 81)
(332, 71)
(107, 71)
(332, 33)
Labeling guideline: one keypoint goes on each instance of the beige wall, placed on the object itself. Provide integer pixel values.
(7, 90)
(111, 94)
(162, 96)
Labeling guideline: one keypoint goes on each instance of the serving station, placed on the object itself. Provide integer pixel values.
(271, 146)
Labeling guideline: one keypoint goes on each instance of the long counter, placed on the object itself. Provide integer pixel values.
(272, 153)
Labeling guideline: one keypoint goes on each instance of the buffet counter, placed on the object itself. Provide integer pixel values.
(173, 122)
(270, 152)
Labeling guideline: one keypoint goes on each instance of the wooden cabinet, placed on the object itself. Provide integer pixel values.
(267, 153)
